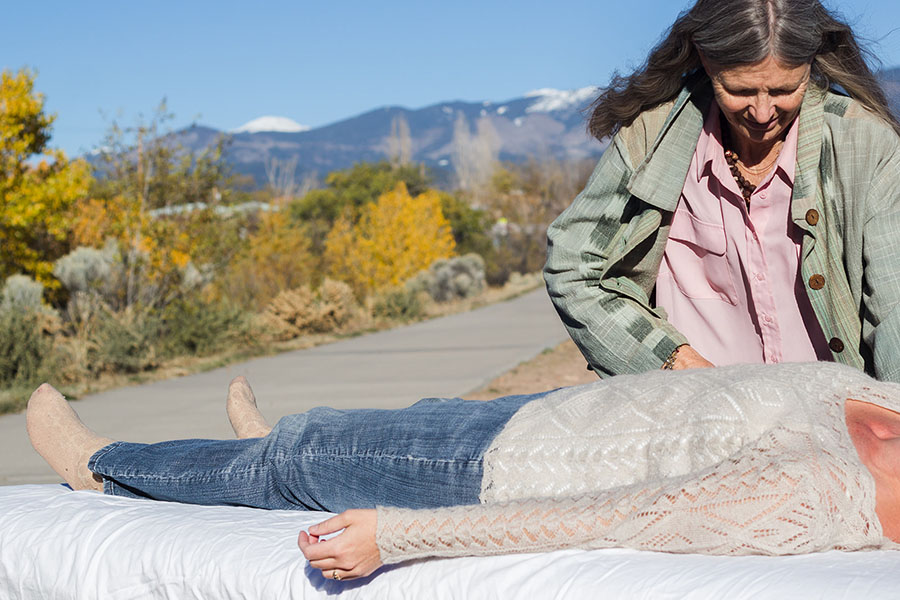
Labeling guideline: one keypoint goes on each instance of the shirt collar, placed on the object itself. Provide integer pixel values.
(711, 150)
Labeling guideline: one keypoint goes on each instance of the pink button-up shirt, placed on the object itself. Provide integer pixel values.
(729, 278)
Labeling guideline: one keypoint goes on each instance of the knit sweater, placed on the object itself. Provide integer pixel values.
(732, 460)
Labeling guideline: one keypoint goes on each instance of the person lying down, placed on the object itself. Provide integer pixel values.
(757, 459)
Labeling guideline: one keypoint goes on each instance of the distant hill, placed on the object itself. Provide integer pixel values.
(543, 123)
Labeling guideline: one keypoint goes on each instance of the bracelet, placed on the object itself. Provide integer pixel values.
(670, 362)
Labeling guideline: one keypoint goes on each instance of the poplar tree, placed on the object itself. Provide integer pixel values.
(38, 184)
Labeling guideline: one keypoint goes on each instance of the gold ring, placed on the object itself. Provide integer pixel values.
(335, 576)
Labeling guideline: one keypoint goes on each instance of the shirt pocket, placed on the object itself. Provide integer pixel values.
(696, 257)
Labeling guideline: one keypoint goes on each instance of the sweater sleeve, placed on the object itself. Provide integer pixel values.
(752, 504)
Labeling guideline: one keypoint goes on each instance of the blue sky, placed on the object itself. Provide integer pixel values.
(224, 63)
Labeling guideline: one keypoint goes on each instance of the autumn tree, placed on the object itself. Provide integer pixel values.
(346, 192)
(395, 237)
(274, 257)
(523, 200)
(158, 202)
(38, 185)
(475, 155)
(399, 142)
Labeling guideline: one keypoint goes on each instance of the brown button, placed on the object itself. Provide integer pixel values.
(812, 216)
(836, 345)
(817, 282)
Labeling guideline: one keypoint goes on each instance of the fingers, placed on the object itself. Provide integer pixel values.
(304, 540)
(319, 550)
(331, 525)
(329, 556)
(352, 553)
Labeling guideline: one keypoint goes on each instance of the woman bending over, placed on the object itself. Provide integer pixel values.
(747, 206)
(757, 459)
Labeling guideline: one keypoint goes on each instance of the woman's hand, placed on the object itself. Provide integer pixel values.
(350, 554)
(688, 358)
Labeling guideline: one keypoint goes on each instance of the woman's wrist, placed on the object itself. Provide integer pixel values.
(685, 357)
(669, 363)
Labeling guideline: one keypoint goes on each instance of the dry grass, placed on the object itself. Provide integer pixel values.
(553, 368)
(14, 400)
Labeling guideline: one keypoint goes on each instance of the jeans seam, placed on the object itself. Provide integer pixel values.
(349, 456)
(205, 476)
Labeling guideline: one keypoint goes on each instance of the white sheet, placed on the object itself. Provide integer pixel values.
(58, 544)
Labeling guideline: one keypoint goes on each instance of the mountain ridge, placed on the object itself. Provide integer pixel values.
(542, 124)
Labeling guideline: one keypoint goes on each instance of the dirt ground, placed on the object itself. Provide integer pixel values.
(555, 367)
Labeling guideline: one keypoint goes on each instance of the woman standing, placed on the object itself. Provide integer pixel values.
(744, 211)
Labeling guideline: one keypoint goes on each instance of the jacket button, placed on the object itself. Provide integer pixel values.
(836, 345)
(817, 282)
(812, 216)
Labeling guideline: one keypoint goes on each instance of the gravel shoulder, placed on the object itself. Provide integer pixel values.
(560, 366)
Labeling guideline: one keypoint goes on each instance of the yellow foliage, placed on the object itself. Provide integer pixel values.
(34, 198)
(395, 238)
(276, 257)
(92, 221)
(159, 247)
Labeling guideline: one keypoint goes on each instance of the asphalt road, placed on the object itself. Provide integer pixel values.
(443, 357)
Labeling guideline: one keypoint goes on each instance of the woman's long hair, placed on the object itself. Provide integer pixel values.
(741, 32)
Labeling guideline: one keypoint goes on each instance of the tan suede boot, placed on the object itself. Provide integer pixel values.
(246, 420)
(62, 439)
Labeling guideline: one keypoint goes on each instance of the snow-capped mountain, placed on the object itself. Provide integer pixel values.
(270, 123)
(543, 123)
(550, 100)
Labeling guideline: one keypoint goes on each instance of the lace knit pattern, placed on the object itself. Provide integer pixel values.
(732, 460)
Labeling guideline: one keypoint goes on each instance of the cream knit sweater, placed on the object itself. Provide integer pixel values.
(732, 460)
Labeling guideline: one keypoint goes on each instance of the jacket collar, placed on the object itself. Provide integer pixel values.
(659, 178)
(809, 151)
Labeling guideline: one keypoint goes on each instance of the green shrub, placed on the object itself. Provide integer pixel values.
(457, 278)
(498, 266)
(450, 278)
(87, 269)
(24, 348)
(21, 292)
(124, 342)
(195, 328)
(399, 303)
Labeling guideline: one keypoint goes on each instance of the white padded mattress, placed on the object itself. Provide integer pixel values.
(58, 544)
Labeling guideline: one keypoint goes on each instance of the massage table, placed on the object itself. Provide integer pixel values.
(60, 544)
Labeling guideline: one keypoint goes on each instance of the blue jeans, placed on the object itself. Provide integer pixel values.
(424, 456)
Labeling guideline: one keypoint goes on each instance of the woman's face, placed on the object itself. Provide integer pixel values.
(759, 101)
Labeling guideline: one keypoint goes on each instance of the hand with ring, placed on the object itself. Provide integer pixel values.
(351, 554)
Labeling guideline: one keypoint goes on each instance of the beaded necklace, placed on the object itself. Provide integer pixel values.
(732, 158)
(747, 188)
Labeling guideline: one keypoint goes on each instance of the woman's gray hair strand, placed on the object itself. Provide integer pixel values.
(742, 32)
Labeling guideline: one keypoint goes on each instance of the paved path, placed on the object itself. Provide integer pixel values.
(443, 357)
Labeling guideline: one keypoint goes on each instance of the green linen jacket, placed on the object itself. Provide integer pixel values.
(604, 251)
